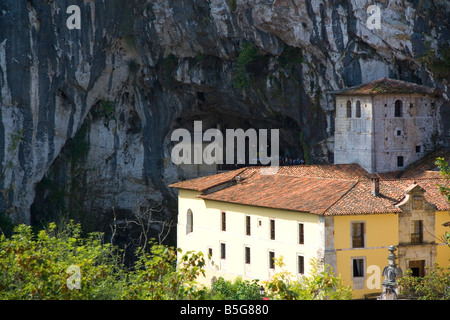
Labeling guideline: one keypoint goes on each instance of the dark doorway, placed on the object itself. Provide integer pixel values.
(417, 267)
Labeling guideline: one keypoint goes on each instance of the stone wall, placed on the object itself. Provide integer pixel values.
(415, 207)
(354, 136)
(399, 136)
(375, 141)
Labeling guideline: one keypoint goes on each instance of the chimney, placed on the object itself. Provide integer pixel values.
(375, 186)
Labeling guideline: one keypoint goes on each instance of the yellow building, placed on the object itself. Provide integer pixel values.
(339, 214)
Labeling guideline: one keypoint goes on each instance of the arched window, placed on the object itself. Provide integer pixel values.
(189, 221)
(349, 109)
(358, 109)
(398, 108)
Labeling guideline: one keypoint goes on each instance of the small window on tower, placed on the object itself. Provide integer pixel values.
(358, 109)
(398, 108)
(400, 161)
(399, 132)
(349, 109)
(418, 149)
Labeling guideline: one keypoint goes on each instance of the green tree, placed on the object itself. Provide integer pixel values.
(35, 266)
(158, 276)
(238, 290)
(435, 285)
(445, 172)
(444, 189)
(320, 284)
(247, 55)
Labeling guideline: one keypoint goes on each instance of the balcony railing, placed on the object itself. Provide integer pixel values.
(416, 237)
(358, 241)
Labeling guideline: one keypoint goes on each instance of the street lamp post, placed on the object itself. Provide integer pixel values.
(261, 293)
(391, 273)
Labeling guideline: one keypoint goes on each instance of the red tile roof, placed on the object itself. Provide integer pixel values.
(360, 200)
(386, 86)
(342, 189)
(314, 195)
(204, 183)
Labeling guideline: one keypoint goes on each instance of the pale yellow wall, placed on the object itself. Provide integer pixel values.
(375, 261)
(207, 234)
(381, 232)
(443, 250)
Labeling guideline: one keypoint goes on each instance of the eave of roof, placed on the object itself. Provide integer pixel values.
(386, 86)
(323, 189)
(304, 194)
(203, 183)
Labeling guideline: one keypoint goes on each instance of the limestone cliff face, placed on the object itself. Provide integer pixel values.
(86, 115)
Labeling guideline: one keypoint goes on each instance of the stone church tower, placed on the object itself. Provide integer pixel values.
(384, 125)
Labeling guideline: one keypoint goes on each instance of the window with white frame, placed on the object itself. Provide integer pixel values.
(300, 264)
(223, 221)
(272, 229)
(189, 221)
(358, 234)
(271, 259)
(223, 251)
(357, 268)
(301, 233)
(247, 255)
(248, 230)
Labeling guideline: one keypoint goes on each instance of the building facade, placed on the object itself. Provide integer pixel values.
(381, 191)
(242, 241)
(385, 125)
(336, 214)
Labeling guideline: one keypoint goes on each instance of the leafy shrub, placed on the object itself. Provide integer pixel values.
(435, 285)
(157, 276)
(320, 284)
(247, 55)
(34, 266)
(237, 290)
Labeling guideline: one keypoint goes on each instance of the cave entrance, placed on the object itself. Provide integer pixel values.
(290, 147)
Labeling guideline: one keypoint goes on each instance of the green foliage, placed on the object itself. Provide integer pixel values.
(445, 172)
(16, 139)
(34, 266)
(290, 57)
(6, 224)
(108, 108)
(237, 290)
(232, 4)
(246, 56)
(435, 285)
(79, 146)
(438, 63)
(169, 64)
(157, 276)
(320, 284)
